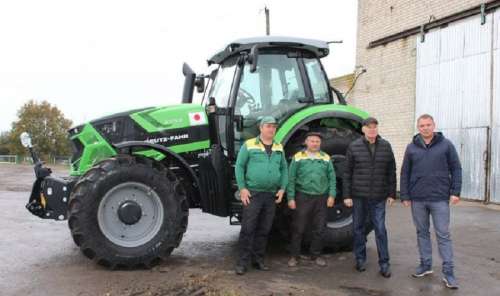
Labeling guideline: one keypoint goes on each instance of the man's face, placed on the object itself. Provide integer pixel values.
(426, 127)
(313, 143)
(268, 130)
(371, 130)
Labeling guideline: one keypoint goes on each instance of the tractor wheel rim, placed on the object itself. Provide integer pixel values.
(146, 227)
(341, 217)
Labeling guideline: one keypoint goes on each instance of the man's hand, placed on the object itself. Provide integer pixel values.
(454, 199)
(348, 202)
(292, 205)
(279, 195)
(390, 200)
(406, 203)
(330, 202)
(245, 196)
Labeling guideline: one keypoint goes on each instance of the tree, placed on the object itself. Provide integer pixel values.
(48, 129)
(5, 143)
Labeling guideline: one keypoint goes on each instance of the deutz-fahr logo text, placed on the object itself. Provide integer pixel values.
(167, 139)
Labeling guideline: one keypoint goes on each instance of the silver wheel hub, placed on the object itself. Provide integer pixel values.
(130, 214)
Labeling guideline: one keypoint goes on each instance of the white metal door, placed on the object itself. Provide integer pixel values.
(495, 129)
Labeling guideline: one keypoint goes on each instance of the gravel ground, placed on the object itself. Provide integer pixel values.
(38, 257)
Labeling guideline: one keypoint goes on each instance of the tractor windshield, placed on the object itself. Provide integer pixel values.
(275, 89)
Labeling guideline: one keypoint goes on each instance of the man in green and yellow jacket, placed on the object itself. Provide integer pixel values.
(311, 189)
(262, 175)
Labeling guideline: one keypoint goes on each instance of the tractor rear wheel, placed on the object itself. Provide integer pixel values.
(128, 212)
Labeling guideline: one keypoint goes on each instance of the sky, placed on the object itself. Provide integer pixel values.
(94, 58)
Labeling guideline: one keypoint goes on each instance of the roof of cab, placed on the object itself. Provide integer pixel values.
(318, 47)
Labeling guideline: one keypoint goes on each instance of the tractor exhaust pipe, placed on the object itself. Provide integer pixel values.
(189, 77)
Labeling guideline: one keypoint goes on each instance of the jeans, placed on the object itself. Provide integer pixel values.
(311, 210)
(440, 213)
(373, 209)
(256, 224)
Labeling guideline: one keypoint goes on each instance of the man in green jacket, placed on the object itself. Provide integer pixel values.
(262, 175)
(311, 189)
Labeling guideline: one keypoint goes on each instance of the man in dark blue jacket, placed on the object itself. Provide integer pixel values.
(431, 178)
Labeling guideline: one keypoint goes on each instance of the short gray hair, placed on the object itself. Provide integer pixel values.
(425, 116)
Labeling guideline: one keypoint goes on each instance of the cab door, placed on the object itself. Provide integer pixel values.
(215, 170)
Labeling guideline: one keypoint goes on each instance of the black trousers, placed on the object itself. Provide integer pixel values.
(256, 224)
(309, 210)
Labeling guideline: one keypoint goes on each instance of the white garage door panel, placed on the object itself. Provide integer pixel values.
(477, 37)
(476, 87)
(496, 22)
(495, 165)
(473, 156)
(428, 51)
(427, 84)
(455, 136)
(495, 131)
(496, 88)
(452, 42)
(471, 147)
(449, 92)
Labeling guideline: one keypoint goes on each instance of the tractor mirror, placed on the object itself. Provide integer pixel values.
(252, 58)
(199, 82)
(25, 140)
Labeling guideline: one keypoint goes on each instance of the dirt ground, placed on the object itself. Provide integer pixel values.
(38, 257)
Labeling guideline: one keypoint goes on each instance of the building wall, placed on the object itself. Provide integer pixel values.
(387, 89)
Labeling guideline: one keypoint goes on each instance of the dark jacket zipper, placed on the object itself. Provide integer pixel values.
(367, 144)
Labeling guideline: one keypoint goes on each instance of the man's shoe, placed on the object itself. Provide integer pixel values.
(450, 281)
(360, 266)
(422, 270)
(385, 271)
(292, 262)
(240, 270)
(320, 261)
(260, 266)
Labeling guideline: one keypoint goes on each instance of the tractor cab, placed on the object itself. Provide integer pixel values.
(264, 76)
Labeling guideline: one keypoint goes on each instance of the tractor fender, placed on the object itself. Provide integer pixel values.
(295, 122)
(164, 150)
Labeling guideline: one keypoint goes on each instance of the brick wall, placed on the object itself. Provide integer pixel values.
(387, 89)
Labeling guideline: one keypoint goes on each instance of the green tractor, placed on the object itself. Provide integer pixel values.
(135, 175)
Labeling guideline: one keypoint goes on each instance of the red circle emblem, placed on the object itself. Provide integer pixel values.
(197, 117)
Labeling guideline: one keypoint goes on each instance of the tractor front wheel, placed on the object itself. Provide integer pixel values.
(128, 212)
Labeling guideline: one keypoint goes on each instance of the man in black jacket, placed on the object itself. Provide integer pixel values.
(431, 178)
(370, 180)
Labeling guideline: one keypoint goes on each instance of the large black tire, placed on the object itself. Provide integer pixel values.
(91, 212)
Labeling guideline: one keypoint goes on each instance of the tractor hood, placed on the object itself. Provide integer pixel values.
(167, 125)
(182, 128)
